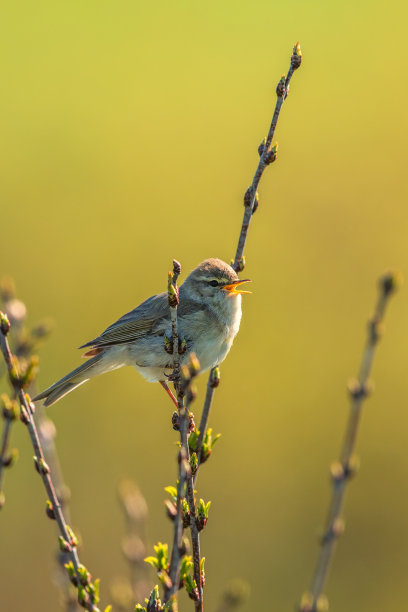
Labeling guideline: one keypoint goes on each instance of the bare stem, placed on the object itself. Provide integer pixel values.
(345, 468)
(27, 408)
(267, 156)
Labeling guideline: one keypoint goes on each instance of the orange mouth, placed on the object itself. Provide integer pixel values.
(232, 287)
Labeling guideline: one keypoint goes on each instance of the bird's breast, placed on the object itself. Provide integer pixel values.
(210, 335)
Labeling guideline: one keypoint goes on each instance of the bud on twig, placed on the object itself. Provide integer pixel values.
(49, 510)
(280, 88)
(215, 377)
(296, 58)
(271, 155)
(261, 147)
(4, 324)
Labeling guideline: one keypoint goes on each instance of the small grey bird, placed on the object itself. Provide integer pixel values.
(209, 314)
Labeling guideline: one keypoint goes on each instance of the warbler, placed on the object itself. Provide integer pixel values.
(208, 319)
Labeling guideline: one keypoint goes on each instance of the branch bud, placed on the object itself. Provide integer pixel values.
(271, 155)
(4, 324)
(168, 345)
(11, 458)
(64, 545)
(261, 147)
(172, 292)
(280, 88)
(49, 510)
(41, 466)
(194, 365)
(390, 282)
(182, 347)
(215, 377)
(10, 407)
(248, 196)
(171, 509)
(296, 58)
(72, 537)
(359, 391)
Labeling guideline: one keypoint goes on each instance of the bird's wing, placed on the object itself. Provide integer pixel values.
(134, 324)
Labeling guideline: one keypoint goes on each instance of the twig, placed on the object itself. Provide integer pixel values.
(46, 434)
(268, 154)
(87, 591)
(16, 312)
(23, 342)
(173, 299)
(182, 382)
(212, 384)
(344, 469)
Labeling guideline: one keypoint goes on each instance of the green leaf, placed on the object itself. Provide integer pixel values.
(190, 583)
(172, 491)
(152, 561)
(185, 567)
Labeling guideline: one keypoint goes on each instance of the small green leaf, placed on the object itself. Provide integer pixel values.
(152, 561)
(172, 491)
(185, 567)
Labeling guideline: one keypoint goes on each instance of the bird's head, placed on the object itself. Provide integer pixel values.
(214, 281)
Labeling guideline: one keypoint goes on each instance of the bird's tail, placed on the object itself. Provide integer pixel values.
(71, 381)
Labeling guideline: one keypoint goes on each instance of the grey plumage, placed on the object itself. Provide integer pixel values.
(209, 314)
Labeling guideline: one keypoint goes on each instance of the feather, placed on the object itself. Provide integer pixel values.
(151, 317)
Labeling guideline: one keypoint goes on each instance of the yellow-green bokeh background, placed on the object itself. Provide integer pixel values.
(129, 132)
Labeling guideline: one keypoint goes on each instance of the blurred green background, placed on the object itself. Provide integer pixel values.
(129, 134)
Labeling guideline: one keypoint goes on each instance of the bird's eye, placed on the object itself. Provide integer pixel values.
(214, 283)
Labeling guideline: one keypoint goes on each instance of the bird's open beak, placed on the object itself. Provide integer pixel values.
(232, 287)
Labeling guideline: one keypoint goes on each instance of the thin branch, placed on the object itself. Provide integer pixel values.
(182, 382)
(267, 154)
(68, 540)
(343, 470)
(176, 554)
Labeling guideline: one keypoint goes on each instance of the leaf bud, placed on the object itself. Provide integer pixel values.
(64, 545)
(4, 324)
(271, 155)
(280, 88)
(49, 510)
(11, 459)
(296, 58)
(41, 466)
(261, 147)
(168, 345)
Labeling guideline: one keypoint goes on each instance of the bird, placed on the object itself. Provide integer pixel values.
(208, 319)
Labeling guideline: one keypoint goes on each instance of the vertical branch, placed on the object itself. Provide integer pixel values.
(87, 591)
(173, 299)
(182, 381)
(344, 469)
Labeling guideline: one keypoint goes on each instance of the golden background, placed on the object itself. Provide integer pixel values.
(129, 134)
